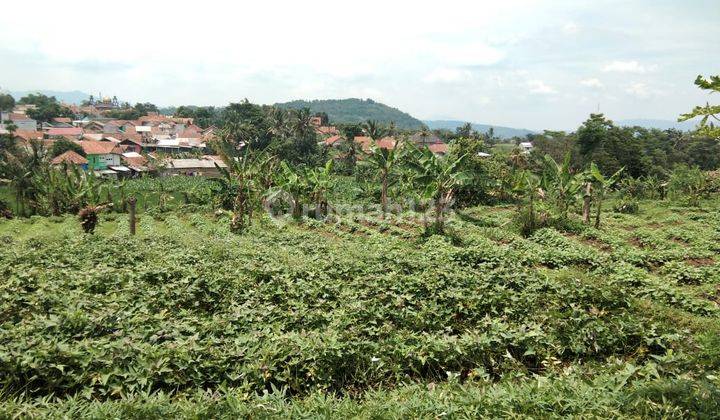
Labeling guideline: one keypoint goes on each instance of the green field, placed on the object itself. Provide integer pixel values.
(362, 317)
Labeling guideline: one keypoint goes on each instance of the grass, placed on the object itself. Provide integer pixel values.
(364, 317)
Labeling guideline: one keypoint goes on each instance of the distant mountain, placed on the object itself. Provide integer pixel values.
(74, 97)
(502, 132)
(355, 110)
(659, 124)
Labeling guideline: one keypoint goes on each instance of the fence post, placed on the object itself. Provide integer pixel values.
(132, 201)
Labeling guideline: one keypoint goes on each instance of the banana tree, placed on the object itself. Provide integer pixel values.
(241, 182)
(17, 168)
(320, 181)
(384, 161)
(528, 189)
(295, 185)
(560, 183)
(602, 185)
(439, 178)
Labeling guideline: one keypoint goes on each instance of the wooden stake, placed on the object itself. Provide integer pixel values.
(132, 201)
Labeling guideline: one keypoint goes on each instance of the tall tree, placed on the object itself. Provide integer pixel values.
(373, 129)
(7, 102)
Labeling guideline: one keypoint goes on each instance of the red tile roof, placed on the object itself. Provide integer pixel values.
(65, 131)
(29, 135)
(438, 148)
(364, 141)
(386, 143)
(135, 160)
(330, 141)
(62, 120)
(91, 147)
(14, 116)
(190, 133)
(69, 157)
(327, 130)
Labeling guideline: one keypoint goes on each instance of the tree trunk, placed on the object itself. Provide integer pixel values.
(383, 194)
(597, 211)
(586, 203)
(297, 208)
(438, 217)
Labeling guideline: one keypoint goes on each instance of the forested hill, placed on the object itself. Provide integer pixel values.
(355, 110)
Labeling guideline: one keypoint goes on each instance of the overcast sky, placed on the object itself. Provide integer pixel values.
(520, 63)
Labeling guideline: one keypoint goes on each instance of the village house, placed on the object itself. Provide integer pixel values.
(333, 141)
(60, 132)
(424, 138)
(70, 158)
(101, 155)
(131, 145)
(207, 166)
(21, 121)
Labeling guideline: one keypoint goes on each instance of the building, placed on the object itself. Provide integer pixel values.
(101, 154)
(439, 149)
(333, 141)
(526, 146)
(60, 132)
(387, 142)
(206, 166)
(424, 138)
(364, 142)
(70, 158)
(131, 145)
(21, 121)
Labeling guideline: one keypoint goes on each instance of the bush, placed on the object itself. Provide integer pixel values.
(627, 207)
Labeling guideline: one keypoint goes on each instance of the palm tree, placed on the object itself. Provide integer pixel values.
(301, 123)
(279, 122)
(518, 158)
(374, 130)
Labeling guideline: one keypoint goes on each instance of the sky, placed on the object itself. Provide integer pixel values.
(520, 63)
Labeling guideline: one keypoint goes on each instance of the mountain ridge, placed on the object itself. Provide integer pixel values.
(74, 97)
(498, 130)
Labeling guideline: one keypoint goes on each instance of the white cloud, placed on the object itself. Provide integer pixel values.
(628, 67)
(570, 28)
(539, 87)
(431, 59)
(473, 54)
(593, 83)
(447, 75)
(640, 90)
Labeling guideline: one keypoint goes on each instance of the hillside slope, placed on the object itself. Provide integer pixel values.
(355, 110)
(71, 97)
